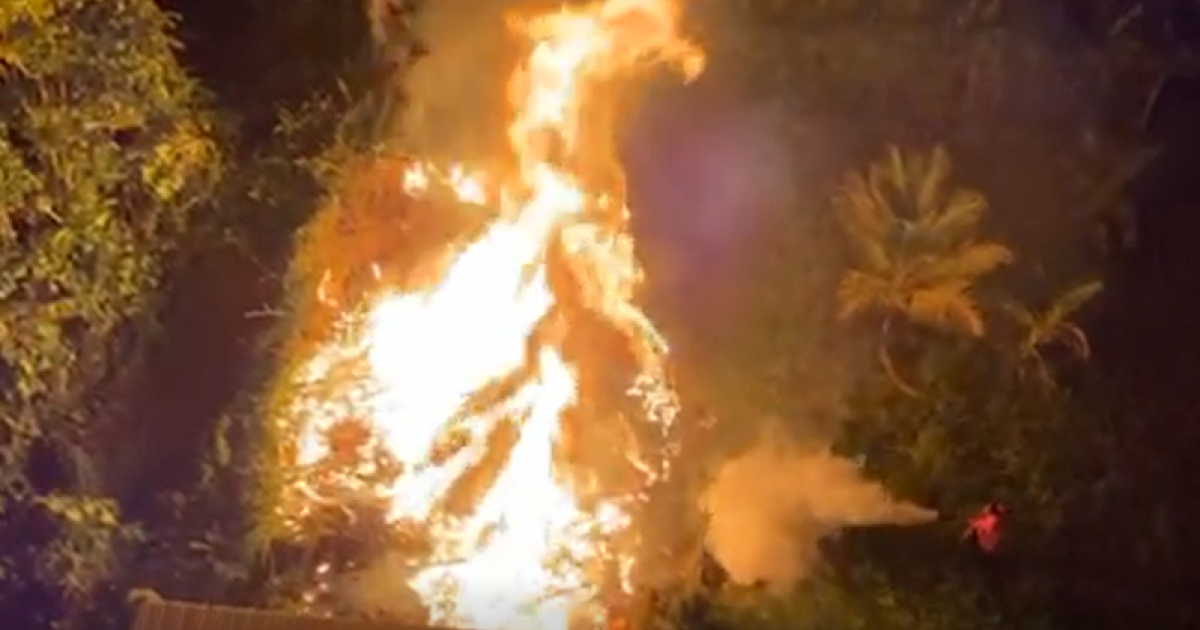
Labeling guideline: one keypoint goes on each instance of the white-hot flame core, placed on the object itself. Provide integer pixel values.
(526, 555)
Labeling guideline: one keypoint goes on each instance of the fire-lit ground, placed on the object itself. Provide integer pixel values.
(471, 407)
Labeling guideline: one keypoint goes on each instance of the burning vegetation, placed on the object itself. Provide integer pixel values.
(478, 392)
(503, 405)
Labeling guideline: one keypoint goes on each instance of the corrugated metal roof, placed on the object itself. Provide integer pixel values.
(169, 615)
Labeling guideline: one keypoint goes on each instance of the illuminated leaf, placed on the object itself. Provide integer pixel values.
(934, 175)
(860, 292)
(946, 307)
(1074, 299)
(921, 269)
(971, 261)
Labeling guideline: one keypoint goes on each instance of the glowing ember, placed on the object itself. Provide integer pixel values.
(467, 387)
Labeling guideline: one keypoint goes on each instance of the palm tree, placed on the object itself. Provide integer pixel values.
(917, 254)
(1051, 326)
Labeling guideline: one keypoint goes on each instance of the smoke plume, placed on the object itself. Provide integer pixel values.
(380, 590)
(769, 507)
(456, 107)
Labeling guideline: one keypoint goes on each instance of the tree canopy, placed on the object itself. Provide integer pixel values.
(107, 153)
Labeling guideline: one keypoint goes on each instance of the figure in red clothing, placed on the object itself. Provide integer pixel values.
(985, 528)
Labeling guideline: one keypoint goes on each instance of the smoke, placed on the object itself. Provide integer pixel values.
(379, 590)
(456, 107)
(770, 506)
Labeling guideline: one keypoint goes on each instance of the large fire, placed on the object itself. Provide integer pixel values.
(469, 386)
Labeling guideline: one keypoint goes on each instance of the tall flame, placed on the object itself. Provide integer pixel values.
(467, 386)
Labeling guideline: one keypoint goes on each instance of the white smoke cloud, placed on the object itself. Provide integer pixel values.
(769, 507)
(457, 107)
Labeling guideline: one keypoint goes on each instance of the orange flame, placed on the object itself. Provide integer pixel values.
(412, 366)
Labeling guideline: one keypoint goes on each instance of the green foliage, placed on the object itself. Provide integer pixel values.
(966, 429)
(916, 245)
(971, 429)
(298, 100)
(104, 156)
(978, 433)
(861, 600)
(1052, 325)
(917, 255)
(334, 74)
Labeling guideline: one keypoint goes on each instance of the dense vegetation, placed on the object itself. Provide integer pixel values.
(979, 290)
(108, 155)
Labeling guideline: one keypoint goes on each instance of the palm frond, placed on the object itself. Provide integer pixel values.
(947, 307)
(927, 274)
(959, 218)
(1020, 314)
(860, 292)
(969, 263)
(1071, 301)
(934, 176)
(861, 210)
(866, 222)
(898, 172)
(871, 254)
(882, 186)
